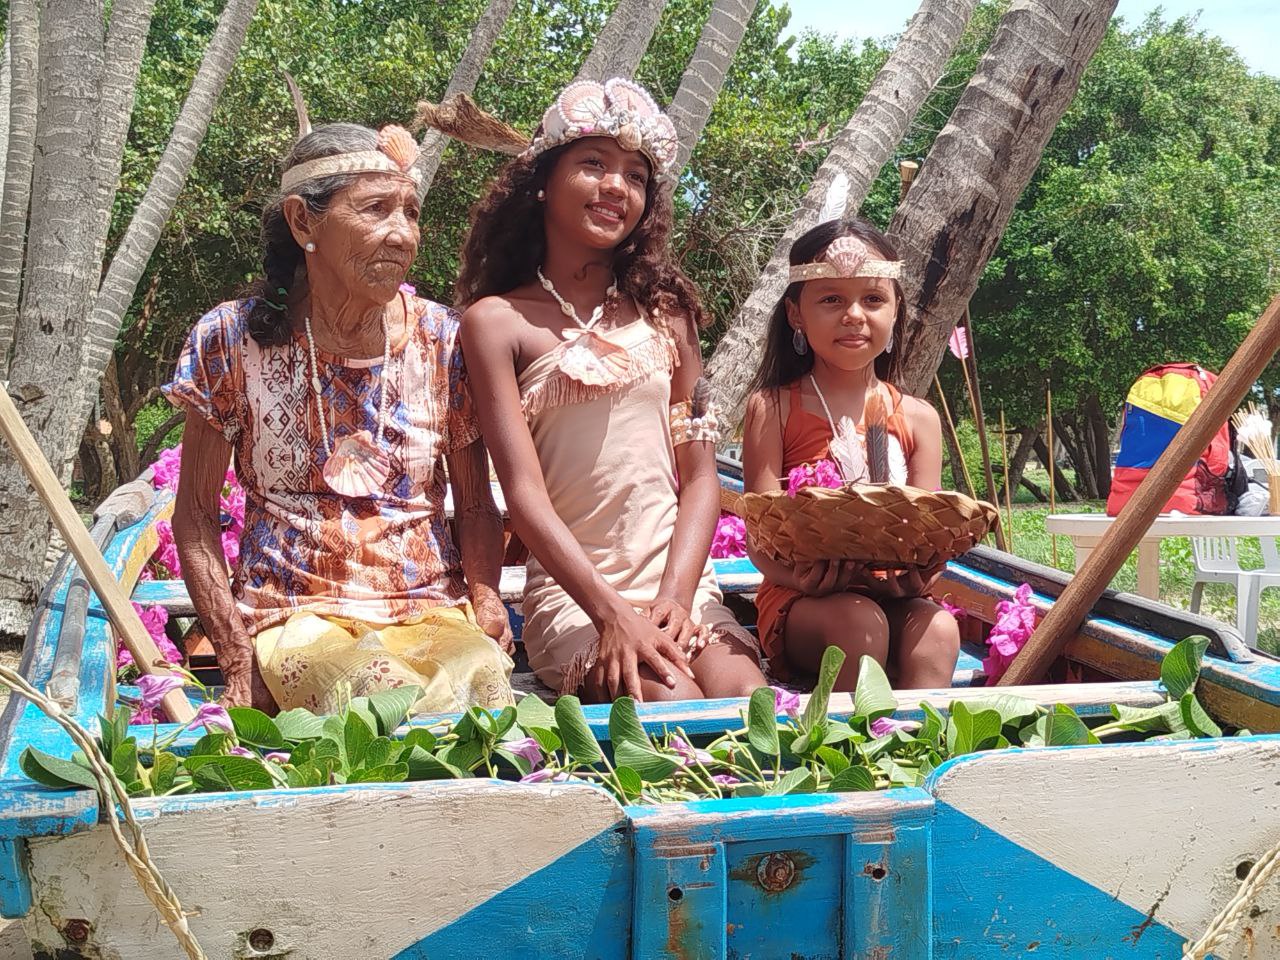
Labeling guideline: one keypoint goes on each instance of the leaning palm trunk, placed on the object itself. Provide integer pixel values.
(953, 217)
(57, 284)
(4, 108)
(148, 221)
(862, 148)
(622, 43)
(691, 107)
(465, 77)
(23, 40)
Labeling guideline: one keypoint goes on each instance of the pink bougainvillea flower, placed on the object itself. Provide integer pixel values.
(152, 689)
(883, 726)
(784, 701)
(1015, 621)
(958, 612)
(526, 747)
(277, 757)
(164, 472)
(545, 775)
(688, 754)
(154, 619)
(820, 473)
(730, 538)
(213, 716)
(231, 502)
(725, 779)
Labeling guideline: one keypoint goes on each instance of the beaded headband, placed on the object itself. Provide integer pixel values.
(845, 258)
(617, 108)
(396, 154)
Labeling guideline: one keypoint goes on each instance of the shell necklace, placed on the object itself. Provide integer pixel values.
(568, 308)
(357, 466)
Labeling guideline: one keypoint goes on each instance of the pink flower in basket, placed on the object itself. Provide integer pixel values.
(730, 539)
(820, 473)
(1015, 621)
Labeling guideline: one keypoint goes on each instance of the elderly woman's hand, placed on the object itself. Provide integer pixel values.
(244, 686)
(491, 615)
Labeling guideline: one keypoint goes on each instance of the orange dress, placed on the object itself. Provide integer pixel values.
(806, 437)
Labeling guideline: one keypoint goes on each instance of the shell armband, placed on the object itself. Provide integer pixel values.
(686, 428)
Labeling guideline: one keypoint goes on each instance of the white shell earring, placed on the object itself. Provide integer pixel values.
(888, 347)
(799, 342)
(310, 247)
(542, 194)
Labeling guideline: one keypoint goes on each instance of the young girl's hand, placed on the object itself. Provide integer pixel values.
(673, 620)
(822, 577)
(897, 584)
(626, 643)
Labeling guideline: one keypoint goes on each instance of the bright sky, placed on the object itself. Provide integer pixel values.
(1251, 26)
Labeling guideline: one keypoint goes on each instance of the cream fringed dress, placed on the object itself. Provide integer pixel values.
(597, 407)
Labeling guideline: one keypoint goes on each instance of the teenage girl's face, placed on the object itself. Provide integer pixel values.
(596, 193)
(848, 322)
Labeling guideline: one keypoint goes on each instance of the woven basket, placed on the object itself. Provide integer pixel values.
(884, 526)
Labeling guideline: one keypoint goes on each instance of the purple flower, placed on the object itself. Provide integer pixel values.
(277, 757)
(153, 689)
(687, 754)
(1015, 621)
(730, 538)
(820, 473)
(958, 612)
(725, 779)
(526, 747)
(546, 774)
(784, 701)
(240, 752)
(883, 726)
(213, 716)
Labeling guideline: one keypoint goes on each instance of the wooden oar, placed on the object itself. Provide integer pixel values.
(114, 600)
(1070, 609)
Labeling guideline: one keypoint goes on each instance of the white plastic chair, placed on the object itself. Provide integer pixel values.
(1217, 562)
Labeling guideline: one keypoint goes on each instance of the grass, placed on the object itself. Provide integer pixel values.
(1177, 567)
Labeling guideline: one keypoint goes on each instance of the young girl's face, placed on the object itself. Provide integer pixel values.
(848, 323)
(596, 192)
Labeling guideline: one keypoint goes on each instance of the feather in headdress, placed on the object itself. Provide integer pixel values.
(847, 450)
(876, 423)
(462, 119)
(836, 200)
(299, 105)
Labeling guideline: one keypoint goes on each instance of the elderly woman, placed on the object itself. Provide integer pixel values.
(342, 396)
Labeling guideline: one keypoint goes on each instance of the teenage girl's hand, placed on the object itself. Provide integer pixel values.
(897, 584)
(626, 643)
(820, 578)
(676, 622)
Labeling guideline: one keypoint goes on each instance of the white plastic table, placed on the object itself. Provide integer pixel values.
(1086, 530)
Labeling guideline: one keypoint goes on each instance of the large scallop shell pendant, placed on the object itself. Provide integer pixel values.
(593, 360)
(357, 468)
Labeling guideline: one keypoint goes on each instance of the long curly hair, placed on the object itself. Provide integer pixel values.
(283, 264)
(780, 365)
(506, 242)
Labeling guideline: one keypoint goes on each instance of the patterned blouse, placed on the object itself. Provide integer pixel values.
(384, 559)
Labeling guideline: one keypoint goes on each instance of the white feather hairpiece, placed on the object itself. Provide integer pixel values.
(836, 200)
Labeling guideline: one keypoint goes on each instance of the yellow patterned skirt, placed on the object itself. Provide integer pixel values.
(320, 662)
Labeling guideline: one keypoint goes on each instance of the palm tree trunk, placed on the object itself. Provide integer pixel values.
(23, 40)
(622, 43)
(977, 168)
(4, 107)
(862, 148)
(148, 221)
(126, 42)
(57, 284)
(703, 78)
(465, 77)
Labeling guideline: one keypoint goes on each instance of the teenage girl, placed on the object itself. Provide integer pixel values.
(829, 352)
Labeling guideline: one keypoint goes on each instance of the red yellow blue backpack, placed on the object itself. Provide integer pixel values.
(1159, 403)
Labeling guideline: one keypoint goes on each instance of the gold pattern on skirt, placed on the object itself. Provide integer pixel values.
(319, 662)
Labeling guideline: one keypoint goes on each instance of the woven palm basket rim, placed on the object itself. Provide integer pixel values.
(883, 525)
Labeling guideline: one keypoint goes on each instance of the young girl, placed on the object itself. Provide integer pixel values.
(829, 355)
(581, 344)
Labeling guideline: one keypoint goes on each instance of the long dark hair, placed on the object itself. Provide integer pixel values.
(283, 263)
(781, 365)
(506, 243)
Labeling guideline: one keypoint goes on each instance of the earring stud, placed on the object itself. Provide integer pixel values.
(310, 247)
(542, 194)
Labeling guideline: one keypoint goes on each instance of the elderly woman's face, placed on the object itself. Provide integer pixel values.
(369, 236)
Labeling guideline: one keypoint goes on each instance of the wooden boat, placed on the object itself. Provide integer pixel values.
(1118, 850)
